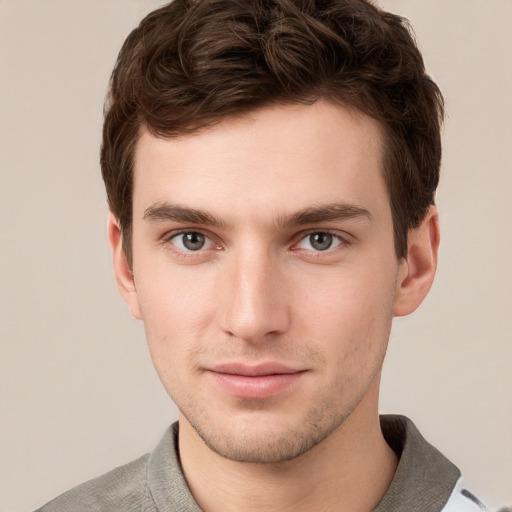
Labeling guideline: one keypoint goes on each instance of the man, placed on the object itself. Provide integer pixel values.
(270, 169)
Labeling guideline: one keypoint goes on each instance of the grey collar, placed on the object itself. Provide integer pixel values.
(424, 479)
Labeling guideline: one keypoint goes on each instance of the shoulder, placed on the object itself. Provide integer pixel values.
(123, 488)
(153, 482)
(425, 479)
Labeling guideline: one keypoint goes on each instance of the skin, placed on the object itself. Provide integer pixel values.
(255, 194)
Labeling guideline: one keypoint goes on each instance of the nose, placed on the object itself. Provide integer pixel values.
(254, 297)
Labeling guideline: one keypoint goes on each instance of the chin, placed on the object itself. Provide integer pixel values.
(260, 442)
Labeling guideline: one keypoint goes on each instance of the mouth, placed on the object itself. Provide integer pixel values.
(255, 382)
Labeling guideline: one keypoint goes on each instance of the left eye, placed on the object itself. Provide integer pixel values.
(191, 241)
(320, 241)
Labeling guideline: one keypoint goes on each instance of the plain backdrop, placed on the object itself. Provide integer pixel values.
(78, 394)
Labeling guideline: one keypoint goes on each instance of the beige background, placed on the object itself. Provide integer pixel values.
(78, 394)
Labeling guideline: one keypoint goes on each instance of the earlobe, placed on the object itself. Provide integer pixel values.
(122, 268)
(417, 270)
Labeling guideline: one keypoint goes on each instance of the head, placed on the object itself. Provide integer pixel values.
(190, 64)
(270, 169)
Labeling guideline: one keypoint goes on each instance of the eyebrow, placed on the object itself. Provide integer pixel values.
(168, 211)
(311, 215)
(324, 213)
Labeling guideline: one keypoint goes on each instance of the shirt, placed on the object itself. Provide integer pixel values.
(425, 480)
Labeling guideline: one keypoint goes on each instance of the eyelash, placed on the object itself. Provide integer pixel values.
(341, 242)
(168, 239)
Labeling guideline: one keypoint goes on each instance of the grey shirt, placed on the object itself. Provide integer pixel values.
(424, 481)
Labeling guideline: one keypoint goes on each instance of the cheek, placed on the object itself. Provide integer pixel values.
(346, 300)
(349, 317)
(172, 297)
(176, 308)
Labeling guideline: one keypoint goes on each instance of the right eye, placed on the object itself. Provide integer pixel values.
(191, 241)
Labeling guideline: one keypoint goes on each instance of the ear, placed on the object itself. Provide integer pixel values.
(418, 268)
(122, 269)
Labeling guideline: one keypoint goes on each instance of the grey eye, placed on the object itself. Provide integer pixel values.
(193, 241)
(321, 241)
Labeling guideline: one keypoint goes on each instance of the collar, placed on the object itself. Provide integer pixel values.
(424, 479)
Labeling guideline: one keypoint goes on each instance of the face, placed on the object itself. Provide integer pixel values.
(265, 273)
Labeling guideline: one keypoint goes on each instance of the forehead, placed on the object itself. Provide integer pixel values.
(280, 158)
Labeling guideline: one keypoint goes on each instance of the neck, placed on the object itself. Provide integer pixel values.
(348, 471)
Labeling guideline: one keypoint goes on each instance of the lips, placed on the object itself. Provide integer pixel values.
(254, 382)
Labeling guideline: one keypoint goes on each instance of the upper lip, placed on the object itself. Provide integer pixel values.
(258, 370)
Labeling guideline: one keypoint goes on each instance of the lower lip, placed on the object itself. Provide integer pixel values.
(258, 387)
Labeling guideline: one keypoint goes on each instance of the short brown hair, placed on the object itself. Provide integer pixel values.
(193, 62)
